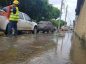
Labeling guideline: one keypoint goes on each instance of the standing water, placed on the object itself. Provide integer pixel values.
(42, 49)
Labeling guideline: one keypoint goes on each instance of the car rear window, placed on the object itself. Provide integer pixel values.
(27, 17)
(21, 16)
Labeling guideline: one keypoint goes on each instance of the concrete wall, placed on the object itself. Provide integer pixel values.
(80, 25)
(78, 51)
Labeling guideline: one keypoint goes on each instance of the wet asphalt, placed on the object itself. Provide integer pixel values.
(41, 49)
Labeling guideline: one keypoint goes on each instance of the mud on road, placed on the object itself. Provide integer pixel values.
(42, 49)
(18, 49)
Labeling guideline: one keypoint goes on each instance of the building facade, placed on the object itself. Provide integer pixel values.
(80, 25)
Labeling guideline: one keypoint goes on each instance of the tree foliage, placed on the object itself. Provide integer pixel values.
(57, 22)
(36, 9)
(5, 2)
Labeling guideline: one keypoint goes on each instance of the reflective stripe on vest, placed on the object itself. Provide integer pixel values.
(14, 17)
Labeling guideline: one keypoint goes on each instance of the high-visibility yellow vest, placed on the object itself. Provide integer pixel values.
(14, 17)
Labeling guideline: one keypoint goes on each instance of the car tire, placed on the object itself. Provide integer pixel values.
(38, 31)
(47, 31)
(43, 31)
(52, 31)
(35, 30)
(20, 32)
(6, 31)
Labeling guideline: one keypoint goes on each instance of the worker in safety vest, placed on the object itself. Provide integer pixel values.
(13, 18)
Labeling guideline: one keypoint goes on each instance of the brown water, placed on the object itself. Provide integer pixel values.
(42, 49)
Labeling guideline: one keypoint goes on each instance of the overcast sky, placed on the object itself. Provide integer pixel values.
(71, 9)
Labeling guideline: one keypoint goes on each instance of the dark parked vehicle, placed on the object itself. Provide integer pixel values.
(45, 26)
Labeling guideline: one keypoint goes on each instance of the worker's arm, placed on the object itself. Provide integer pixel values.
(5, 13)
(5, 9)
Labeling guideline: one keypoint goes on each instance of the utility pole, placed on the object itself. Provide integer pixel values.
(70, 22)
(66, 13)
(60, 14)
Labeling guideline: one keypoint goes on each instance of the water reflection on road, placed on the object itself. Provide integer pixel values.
(58, 55)
(41, 49)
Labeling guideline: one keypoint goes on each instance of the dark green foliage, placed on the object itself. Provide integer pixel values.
(57, 22)
(36, 9)
(5, 2)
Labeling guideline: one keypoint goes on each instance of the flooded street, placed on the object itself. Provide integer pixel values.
(42, 49)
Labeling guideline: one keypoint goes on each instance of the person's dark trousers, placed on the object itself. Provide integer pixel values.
(12, 26)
